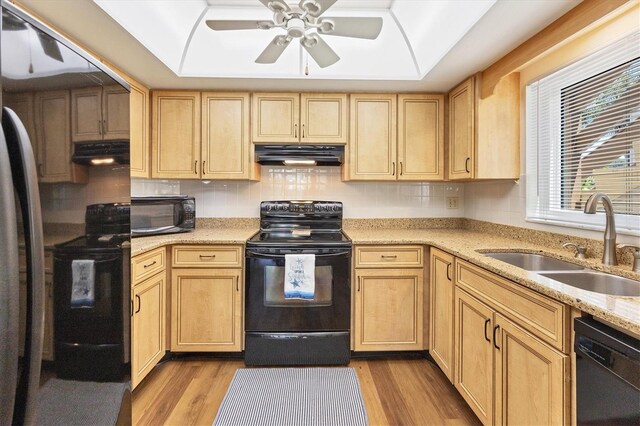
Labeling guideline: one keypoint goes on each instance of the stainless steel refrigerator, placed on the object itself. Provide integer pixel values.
(46, 153)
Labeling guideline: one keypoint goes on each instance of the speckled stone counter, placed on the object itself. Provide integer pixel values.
(468, 245)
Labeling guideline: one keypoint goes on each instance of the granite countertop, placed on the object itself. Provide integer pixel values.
(238, 235)
(468, 245)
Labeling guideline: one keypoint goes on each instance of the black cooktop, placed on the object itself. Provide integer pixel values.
(98, 243)
(311, 237)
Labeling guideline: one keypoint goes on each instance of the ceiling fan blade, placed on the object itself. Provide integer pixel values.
(316, 8)
(273, 50)
(276, 5)
(319, 50)
(358, 27)
(218, 25)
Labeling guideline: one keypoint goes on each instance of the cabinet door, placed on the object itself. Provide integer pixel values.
(86, 114)
(474, 354)
(139, 132)
(441, 310)
(323, 118)
(530, 379)
(420, 137)
(389, 309)
(147, 326)
(115, 113)
(175, 135)
(226, 146)
(372, 143)
(53, 131)
(462, 130)
(206, 310)
(47, 342)
(23, 105)
(275, 117)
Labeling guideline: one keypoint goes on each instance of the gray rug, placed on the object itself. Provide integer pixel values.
(68, 403)
(293, 396)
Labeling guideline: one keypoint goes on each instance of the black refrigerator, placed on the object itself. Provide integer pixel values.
(41, 71)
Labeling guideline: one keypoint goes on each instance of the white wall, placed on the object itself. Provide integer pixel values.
(361, 199)
(66, 202)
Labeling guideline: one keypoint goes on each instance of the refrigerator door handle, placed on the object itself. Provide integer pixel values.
(9, 288)
(25, 178)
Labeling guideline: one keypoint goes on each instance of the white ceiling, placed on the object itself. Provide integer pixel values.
(425, 45)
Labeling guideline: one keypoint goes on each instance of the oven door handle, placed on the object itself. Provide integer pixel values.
(281, 256)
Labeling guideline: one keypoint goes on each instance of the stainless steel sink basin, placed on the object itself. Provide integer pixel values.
(534, 262)
(597, 282)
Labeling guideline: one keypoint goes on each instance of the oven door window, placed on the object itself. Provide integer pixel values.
(274, 288)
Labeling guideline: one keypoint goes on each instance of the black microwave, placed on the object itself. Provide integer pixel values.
(162, 215)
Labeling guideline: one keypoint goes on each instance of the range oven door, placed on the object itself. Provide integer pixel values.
(267, 310)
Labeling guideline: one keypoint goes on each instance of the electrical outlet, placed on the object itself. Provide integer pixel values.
(452, 202)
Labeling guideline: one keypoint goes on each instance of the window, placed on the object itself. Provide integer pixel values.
(583, 136)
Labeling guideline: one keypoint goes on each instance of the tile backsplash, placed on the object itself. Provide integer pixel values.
(66, 202)
(361, 199)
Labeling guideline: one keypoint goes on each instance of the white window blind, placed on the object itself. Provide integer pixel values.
(583, 136)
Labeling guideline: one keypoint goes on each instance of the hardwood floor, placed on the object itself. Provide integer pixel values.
(395, 392)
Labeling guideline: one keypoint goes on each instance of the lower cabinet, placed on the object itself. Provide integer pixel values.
(505, 373)
(148, 326)
(206, 310)
(388, 300)
(441, 310)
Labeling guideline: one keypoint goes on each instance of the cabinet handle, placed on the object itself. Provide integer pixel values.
(203, 168)
(139, 303)
(449, 271)
(207, 256)
(495, 329)
(393, 164)
(388, 256)
(40, 170)
(100, 128)
(131, 307)
(487, 321)
(466, 164)
(295, 130)
(303, 131)
(358, 289)
(195, 167)
(104, 127)
(238, 285)
(151, 264)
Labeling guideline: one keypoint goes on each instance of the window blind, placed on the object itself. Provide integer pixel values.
(583, 136)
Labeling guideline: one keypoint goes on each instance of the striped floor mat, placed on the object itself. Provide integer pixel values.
(293, 396)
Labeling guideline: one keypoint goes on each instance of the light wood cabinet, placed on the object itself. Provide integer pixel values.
(148, 325)
(139, 148)
(505, 368)
(441, 310)
(388, 300)
(53, 132)
(319, 118)
(396, 138)
(23, 105)
(48, 341)
(227, 152)
(206, 298)
(99, 113)
(484, 134)
(175, 135)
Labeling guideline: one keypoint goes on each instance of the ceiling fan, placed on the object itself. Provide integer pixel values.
(305, 23)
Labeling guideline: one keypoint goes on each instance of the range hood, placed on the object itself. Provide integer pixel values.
(101, 153)
(299, 155)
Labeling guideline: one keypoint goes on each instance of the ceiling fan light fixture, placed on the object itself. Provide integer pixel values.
(278, 6)
(295, 27)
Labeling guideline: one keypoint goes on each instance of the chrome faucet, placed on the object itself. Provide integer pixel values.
(609, 252)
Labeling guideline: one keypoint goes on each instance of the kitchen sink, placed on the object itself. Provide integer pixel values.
(534, 262)
(597, 282)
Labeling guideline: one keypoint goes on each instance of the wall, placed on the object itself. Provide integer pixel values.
(361, 199)
(66, 202)
(505, 202)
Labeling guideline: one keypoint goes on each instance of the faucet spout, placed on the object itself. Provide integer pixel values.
(609, 253)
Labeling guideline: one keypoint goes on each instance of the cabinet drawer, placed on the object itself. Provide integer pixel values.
(540, 315)
(206, 256)
(389, 256)
(145, 265)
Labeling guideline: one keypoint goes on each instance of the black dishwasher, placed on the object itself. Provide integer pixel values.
(607, 375)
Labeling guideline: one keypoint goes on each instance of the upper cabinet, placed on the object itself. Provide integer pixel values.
(99, 113)
(201, 136)
(319, 118)
(139, 135)
(484, 134)
(23, 105)
(385, 144)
